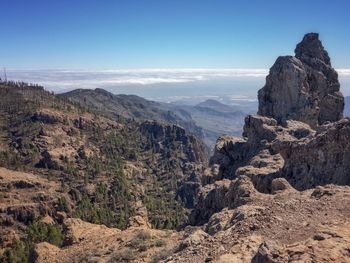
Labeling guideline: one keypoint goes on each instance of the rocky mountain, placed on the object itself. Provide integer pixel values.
(292, 149)
(279, 193)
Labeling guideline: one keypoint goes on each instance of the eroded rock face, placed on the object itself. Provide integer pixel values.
(163, 135)
(304, 87)
(288, 145)
(211, 199)
(321, 159)
(260, 155)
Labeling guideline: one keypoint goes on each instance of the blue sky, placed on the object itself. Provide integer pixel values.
(96, 34)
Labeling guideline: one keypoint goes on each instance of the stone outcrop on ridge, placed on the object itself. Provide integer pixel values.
(304, 87)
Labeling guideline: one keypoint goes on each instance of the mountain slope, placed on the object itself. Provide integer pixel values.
(217, 106)
(128, 106)
(87, 165)
(215, 118)
(208, 120)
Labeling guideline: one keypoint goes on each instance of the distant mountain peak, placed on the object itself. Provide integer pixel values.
(210, 102)
(216, 105)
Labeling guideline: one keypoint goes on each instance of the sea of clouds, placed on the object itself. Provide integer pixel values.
(161, 84)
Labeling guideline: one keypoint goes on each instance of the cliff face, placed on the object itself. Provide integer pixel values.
(299, 122)
(304, 87)
(290, 152)
(163, 136)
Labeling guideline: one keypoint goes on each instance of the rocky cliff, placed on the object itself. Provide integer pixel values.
(296, 147)
(298, 128)
(304, 87)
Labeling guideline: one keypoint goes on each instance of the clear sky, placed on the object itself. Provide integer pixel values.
(97, 34)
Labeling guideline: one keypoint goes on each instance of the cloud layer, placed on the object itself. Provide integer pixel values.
(160, 84)
(59, 80)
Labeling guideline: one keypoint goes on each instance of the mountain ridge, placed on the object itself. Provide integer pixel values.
(207, 122)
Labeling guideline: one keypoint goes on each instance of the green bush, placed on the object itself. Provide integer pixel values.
(36, 233)
(40, 232)
(18, 253)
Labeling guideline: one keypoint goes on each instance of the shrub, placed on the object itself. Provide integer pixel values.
(159, 243)
(40, 232)
(36, 233)
(122, 256)
(162, 255)
(18, 253)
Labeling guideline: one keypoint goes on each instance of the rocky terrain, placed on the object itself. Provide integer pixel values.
(289, 151)
(279, 193)
(101, 169)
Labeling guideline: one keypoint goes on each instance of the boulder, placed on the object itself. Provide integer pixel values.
(279, 185)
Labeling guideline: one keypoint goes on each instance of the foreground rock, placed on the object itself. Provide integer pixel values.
(289, 226)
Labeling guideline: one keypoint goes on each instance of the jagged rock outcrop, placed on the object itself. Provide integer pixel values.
(163, 135)
(304, 87)
(290, 144)
(300, 92)
(321, 159)
(259, 153)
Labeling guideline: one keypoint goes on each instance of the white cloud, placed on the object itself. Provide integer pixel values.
(62, 80)
(343, 72)
(69, 79)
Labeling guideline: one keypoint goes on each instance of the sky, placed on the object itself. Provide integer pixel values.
(125, 34)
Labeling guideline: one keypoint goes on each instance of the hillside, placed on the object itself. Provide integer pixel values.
(207, 120)
(129, 107)
(216, 105)
(103, 170)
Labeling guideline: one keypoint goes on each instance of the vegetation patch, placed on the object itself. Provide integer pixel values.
(35, 233)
